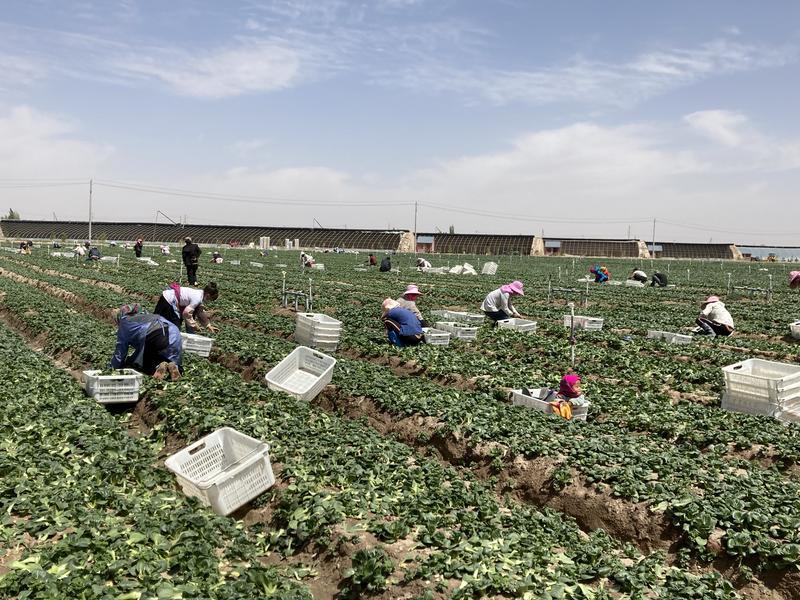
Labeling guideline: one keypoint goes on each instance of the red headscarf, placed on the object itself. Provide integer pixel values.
(567, 386)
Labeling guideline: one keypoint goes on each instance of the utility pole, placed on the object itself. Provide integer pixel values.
(415, 227)
(629, 232)
(90, 211)
(654, 238)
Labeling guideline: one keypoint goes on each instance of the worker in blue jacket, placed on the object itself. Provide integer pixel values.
(157, 345)
(402, 326)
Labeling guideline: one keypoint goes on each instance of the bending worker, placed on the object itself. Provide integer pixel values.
(659, 279)
(402, 326)
(386, 265)
(601, 273)
(498, 306)
(157, 348)
(409, 300)
(714, 318)
(177, 304)
(639, 275)
(422, 264)
(794, 279)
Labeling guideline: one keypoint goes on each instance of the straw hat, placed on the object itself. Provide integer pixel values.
(412, 290)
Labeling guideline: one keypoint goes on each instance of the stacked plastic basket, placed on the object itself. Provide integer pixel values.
(318, 331)
(763, 387)
(670, 338)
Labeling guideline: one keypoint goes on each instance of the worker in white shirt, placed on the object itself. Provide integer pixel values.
(422, 264)
(714, 319)
(498, 305)
(178, 304)
(639, 275)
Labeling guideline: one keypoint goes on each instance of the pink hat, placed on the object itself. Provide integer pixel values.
(515, 287)
(412, 289)
(711, 299)
(794, 279)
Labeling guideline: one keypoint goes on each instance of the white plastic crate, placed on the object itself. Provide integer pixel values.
(302, 374)
(670, 338)
(794, 329)
(256, 264)
(196, 344)
(318, 266)
(436, 337)
(586, 323)
(113, 389)
(457, 315)
(518, 324)
(224, 470)
(460, 331)
(318, 321)
(489, 268)
(236, 262)
(757, 380)
(633, 283)
(788, 416)
(748, 405)
(537, 402)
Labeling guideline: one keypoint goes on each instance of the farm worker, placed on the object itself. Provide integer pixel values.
(409, 300)
(306, 260)
(372, 260)
(137, 248)
(156, 343)
(714, 318)
(422, 264)
(794, 279)
(386, 265)
(498, 306)
(639, 275)
(177, 304)
(191, 258)
(601, 273)
(659, 279)
(78, 250)
(402, 326)
(216, 257)
(94, 254)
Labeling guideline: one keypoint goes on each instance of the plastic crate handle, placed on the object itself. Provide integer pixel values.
(737, 367)
(196, 449)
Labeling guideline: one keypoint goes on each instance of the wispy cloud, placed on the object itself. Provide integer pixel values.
(583, 80)
(248, 66)
(722, 126)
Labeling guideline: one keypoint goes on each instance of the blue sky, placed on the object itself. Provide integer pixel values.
(576, 118)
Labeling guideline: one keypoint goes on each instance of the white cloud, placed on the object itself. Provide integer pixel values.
(247, 67)
(590, 81)
(722, 126)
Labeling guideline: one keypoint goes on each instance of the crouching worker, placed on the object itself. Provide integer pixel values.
(639, 275)
(714, 319)
(498, 305)
(402, 326)
(409, 300)
(601, 273)
(178, 304)
(659, 279)
(156, 344)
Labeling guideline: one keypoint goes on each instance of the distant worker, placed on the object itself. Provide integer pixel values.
(403, 328)
(639, 275)
(216, 258)
(191, 259)
(165, 249)
(714, 319)
(409, 300)
(601, 273)
(373, 262)
(156, 343)
(94, 254)
(306, 260)
(659, 280)
(138, 247)
(178, 304)
(24, 248)
(422, 264)
(386, 265)
(498, 305)
(794, 279)
(78, 250)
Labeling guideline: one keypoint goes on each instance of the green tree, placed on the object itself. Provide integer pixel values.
(12, 215)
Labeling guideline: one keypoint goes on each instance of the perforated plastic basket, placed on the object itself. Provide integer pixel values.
(436, 337)
(536, 402)
(586, 323)
(518, 324)
(671, 338)
(748, 405)
(112, 389)
(459, 331)
(302, 374)
(196, 344)
(224, 470)
(490, 268)
(318, 322)
(794, 330)
(762, 380)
